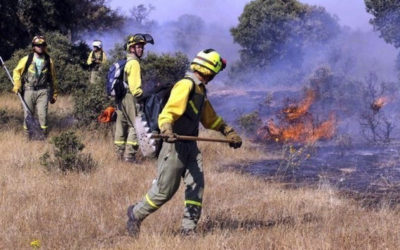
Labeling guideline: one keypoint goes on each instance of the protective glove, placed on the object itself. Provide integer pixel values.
(236, 140)
(166, 129)
(53, 100)
(15, 90)
(231, 134)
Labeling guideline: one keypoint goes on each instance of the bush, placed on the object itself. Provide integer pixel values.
(66, 154)
(250, 122)
(89, 102)
(69, 60)
(163, 69)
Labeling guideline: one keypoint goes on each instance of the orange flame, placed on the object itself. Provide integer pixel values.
(296, 111)
(297, 125)
(379, 103)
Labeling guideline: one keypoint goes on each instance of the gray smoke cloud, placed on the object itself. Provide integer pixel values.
(351, 56)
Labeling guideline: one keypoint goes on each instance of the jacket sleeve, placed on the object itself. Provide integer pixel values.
(53, 79)
(177, 102)
(132, 70)
(209, 117)
(17, 72)
(89, 60)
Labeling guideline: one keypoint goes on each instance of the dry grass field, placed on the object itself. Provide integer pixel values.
(88, 210)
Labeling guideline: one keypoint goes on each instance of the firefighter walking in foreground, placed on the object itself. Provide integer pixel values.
(35, 77)
(125, 138)
(187, 106)
(97, 57)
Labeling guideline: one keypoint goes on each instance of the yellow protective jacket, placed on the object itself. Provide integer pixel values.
(17, 75)
(91, 56)
(133, 75)
(182, 103)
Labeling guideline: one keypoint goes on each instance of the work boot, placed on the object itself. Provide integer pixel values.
(133, 224)
(131, 159)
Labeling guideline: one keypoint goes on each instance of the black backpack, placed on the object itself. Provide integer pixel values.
(155, 100)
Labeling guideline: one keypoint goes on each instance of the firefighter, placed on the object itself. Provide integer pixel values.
(35, 77)
(186, 107)
(97, 57)
(125, 138)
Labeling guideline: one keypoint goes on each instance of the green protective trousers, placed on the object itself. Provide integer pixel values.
(37, 102)
(176, 160)
(125, 139)
(94, 76)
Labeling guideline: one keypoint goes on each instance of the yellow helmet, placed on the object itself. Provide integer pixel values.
(210, 59)
(39, 40)
(138, 38)
(135, 39)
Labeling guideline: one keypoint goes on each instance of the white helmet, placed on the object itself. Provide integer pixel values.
(97, 43)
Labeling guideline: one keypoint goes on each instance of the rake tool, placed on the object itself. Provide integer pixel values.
(32, 124)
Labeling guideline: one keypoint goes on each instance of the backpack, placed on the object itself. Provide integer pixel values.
(115, 85)
(155, 102)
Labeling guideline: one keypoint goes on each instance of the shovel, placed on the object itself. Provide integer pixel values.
(33, 125)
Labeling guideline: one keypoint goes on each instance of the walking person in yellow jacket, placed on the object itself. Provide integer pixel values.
(125, 138)
(35, 77)
(97, 57)
(186, 107)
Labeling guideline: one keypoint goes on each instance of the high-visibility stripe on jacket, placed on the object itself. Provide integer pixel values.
(179, 106)
(19, 69)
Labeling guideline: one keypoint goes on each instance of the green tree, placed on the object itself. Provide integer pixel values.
(70, 17)
(13, 34)
(386, 19)
(271, 30)
(187, 29)
(140, 14)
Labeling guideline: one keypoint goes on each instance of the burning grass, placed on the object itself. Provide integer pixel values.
(296, 124)
(87, 211)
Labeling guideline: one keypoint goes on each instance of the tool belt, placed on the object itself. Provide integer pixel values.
(35, 87)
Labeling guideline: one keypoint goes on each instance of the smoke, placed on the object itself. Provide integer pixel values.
(187, 33)
(351, 55)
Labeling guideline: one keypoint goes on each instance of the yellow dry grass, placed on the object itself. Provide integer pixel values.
(88, 211)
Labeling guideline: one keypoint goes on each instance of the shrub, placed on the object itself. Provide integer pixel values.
(164, 68)
(66, 154)
(250, 122)
(89, 102)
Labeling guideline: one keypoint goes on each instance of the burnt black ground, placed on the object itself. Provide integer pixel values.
(368, 173)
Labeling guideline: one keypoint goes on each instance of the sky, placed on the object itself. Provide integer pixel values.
(351, 13)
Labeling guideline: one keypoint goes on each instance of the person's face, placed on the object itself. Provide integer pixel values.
(204, 78)
(39, 49)
(138, 49)
(95, 48)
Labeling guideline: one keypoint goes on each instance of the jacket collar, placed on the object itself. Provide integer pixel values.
(194, 77)
(132, 56)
